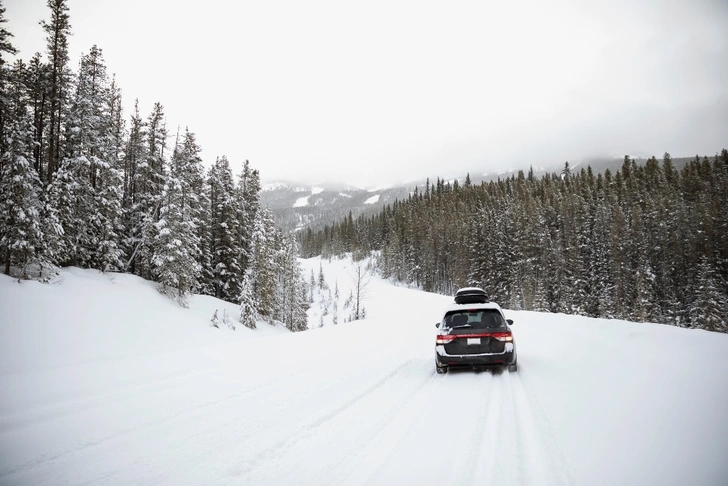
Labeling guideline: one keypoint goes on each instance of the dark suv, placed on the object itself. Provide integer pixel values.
(475, 336)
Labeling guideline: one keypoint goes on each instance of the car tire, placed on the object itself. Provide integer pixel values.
(513, 367)
(441, 370)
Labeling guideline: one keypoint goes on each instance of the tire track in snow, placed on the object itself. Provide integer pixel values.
(390, 433)
(540, 459)
(277, 435)
(463, 410)
(485, 455)
(523, 433)
(470, 465)
(281, 448)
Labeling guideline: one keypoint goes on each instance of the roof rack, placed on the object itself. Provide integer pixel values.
(470, 295)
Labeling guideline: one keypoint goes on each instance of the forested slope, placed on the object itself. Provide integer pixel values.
(82, 185)
(646, 243)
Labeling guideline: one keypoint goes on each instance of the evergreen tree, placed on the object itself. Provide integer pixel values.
(107, 221)
(248, 302)
(248, 194)
(187, 167)
(36, 85)
(20, 230)
(264, 271)
(89, 145)
(175, 245)
(6, 47)
(138, 206)
(290, 296)
(224, 229)
(57, 30)
(215, 321)
(177, 238)
(709, 302)
(149, 178)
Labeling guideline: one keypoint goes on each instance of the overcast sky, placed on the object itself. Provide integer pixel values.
(381, 92)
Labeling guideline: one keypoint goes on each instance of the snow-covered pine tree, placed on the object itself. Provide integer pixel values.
(708, 306)
(117, 129)
(290, 297)
(35, 80)
(71, 197)
(175, 245)
(110, 184)
(138, 217)
(187, 165)
(248, 196)
(264, 264)
(6, 47)
(248, 303)
(300, 313)
(108, 220)
(176, 248)
(153, 171)
(599, 302)
(20, 229)
(57, 30)
(149, 179)
(223, 227)
(206, 282)
(227, 321)
(89, 136)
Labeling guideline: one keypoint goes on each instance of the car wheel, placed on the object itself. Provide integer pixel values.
(441, 370)
(513, 367)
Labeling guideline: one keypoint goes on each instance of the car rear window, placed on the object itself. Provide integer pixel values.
(475, 319)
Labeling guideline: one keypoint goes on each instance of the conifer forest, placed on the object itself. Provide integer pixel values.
(647, 243)
(83, 185)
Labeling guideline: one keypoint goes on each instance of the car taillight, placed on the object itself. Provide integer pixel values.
(444, 339)
(503, 336)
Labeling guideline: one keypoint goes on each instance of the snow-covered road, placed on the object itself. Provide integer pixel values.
(594, 403)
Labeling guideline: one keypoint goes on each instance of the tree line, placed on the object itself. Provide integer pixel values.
(645, 243)
(78, 186)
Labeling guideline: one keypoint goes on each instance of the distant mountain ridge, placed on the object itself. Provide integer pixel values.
(297, 205)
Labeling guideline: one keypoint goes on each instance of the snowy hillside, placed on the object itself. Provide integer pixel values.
(105, 381)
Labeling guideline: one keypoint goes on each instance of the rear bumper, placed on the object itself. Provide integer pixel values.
(495, 359)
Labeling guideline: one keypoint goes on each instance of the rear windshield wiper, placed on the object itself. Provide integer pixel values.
(461, 326)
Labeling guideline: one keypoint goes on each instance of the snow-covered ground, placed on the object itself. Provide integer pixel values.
(304, 201)
(372, 200)
(105, 381)
(301, 202)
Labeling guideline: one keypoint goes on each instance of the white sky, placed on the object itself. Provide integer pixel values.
(388, 91)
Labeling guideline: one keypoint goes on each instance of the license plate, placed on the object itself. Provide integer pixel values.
(473, 340)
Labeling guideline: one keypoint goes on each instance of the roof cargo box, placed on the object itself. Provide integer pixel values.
(470, 295)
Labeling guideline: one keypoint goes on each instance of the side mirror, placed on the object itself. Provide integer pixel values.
(437, 325)
(509, 321)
